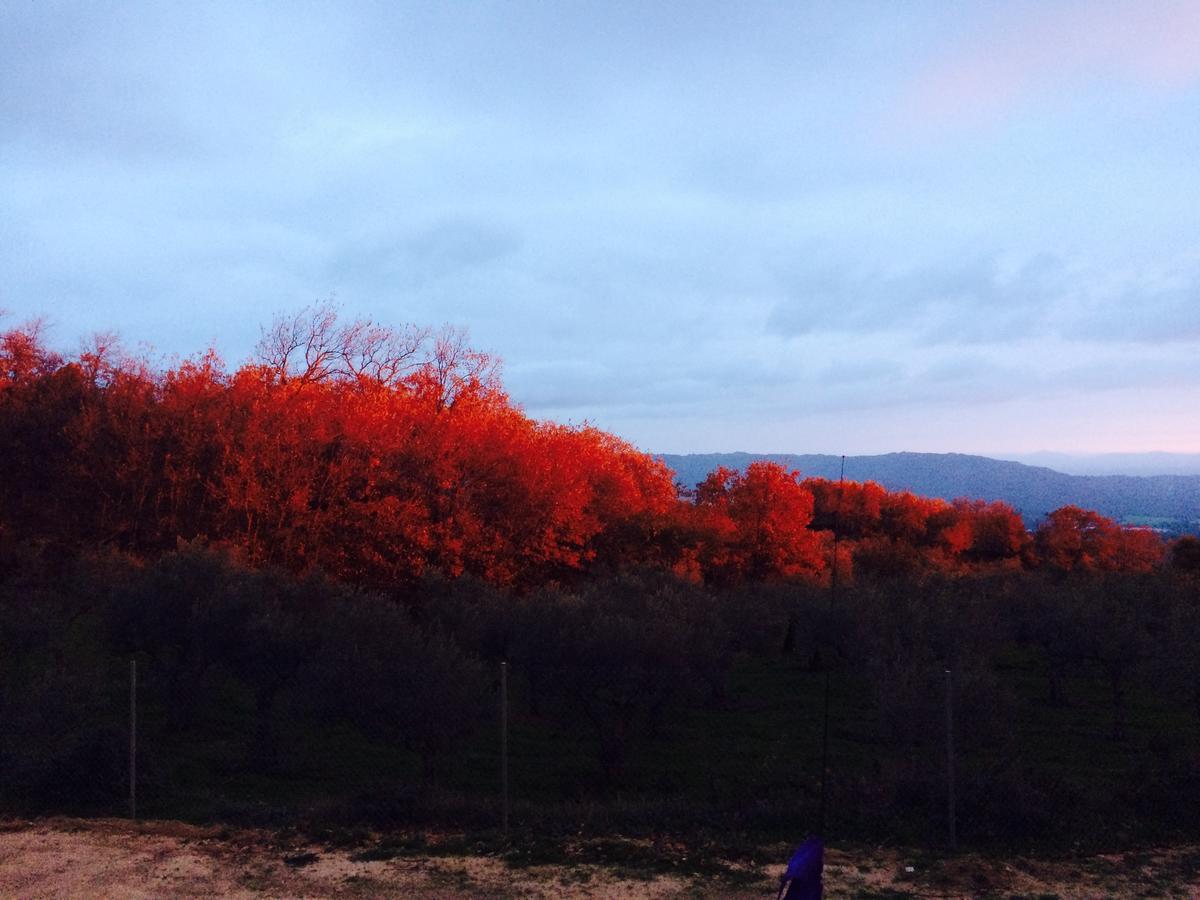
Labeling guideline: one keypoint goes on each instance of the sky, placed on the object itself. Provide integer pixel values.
(849, 227)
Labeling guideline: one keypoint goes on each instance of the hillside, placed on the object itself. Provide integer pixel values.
(1032, 490)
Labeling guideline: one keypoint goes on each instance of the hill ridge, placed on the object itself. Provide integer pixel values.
(1169, 502)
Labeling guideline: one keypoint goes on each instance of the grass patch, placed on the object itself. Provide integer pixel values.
(733, 775)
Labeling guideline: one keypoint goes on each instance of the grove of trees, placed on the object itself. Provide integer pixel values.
(377, 455)
(327, 550)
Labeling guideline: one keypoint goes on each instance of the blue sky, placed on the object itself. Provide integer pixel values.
(846, 227)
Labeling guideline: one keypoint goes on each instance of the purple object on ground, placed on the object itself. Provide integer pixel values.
(802, 878)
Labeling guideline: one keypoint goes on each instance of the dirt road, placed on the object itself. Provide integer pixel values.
(114, 858)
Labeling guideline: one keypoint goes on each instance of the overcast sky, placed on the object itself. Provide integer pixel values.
(852, 227)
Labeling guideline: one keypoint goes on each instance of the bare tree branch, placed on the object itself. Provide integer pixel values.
(313, 345)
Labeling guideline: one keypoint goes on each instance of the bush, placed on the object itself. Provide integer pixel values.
(619, 656)
(373, 666)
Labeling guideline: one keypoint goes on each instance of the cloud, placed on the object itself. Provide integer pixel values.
(1034, 50)
(1151, 307)
(413, 260)
(650, 217)
(853, 372)
(978, 299)
(992, 299)
(722, 373)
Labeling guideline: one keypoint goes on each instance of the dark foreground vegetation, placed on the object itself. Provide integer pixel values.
(320, 560)
(640, 702)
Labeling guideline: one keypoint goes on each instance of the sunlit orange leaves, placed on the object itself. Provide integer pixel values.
(378, 455)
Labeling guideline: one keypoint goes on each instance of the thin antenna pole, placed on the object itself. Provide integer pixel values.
(833, 586)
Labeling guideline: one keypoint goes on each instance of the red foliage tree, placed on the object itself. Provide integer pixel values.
(378, 454)
(758, 522)
(1074, 539)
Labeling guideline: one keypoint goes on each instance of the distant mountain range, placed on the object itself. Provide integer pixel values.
(1113, 463)
(1169, 502)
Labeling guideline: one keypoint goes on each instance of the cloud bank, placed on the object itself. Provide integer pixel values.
(705, 227)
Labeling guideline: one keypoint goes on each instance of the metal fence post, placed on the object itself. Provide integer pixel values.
(950, 804)
(133, 739)
(504, 744)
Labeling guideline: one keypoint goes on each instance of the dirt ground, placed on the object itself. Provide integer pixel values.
(115, 858)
